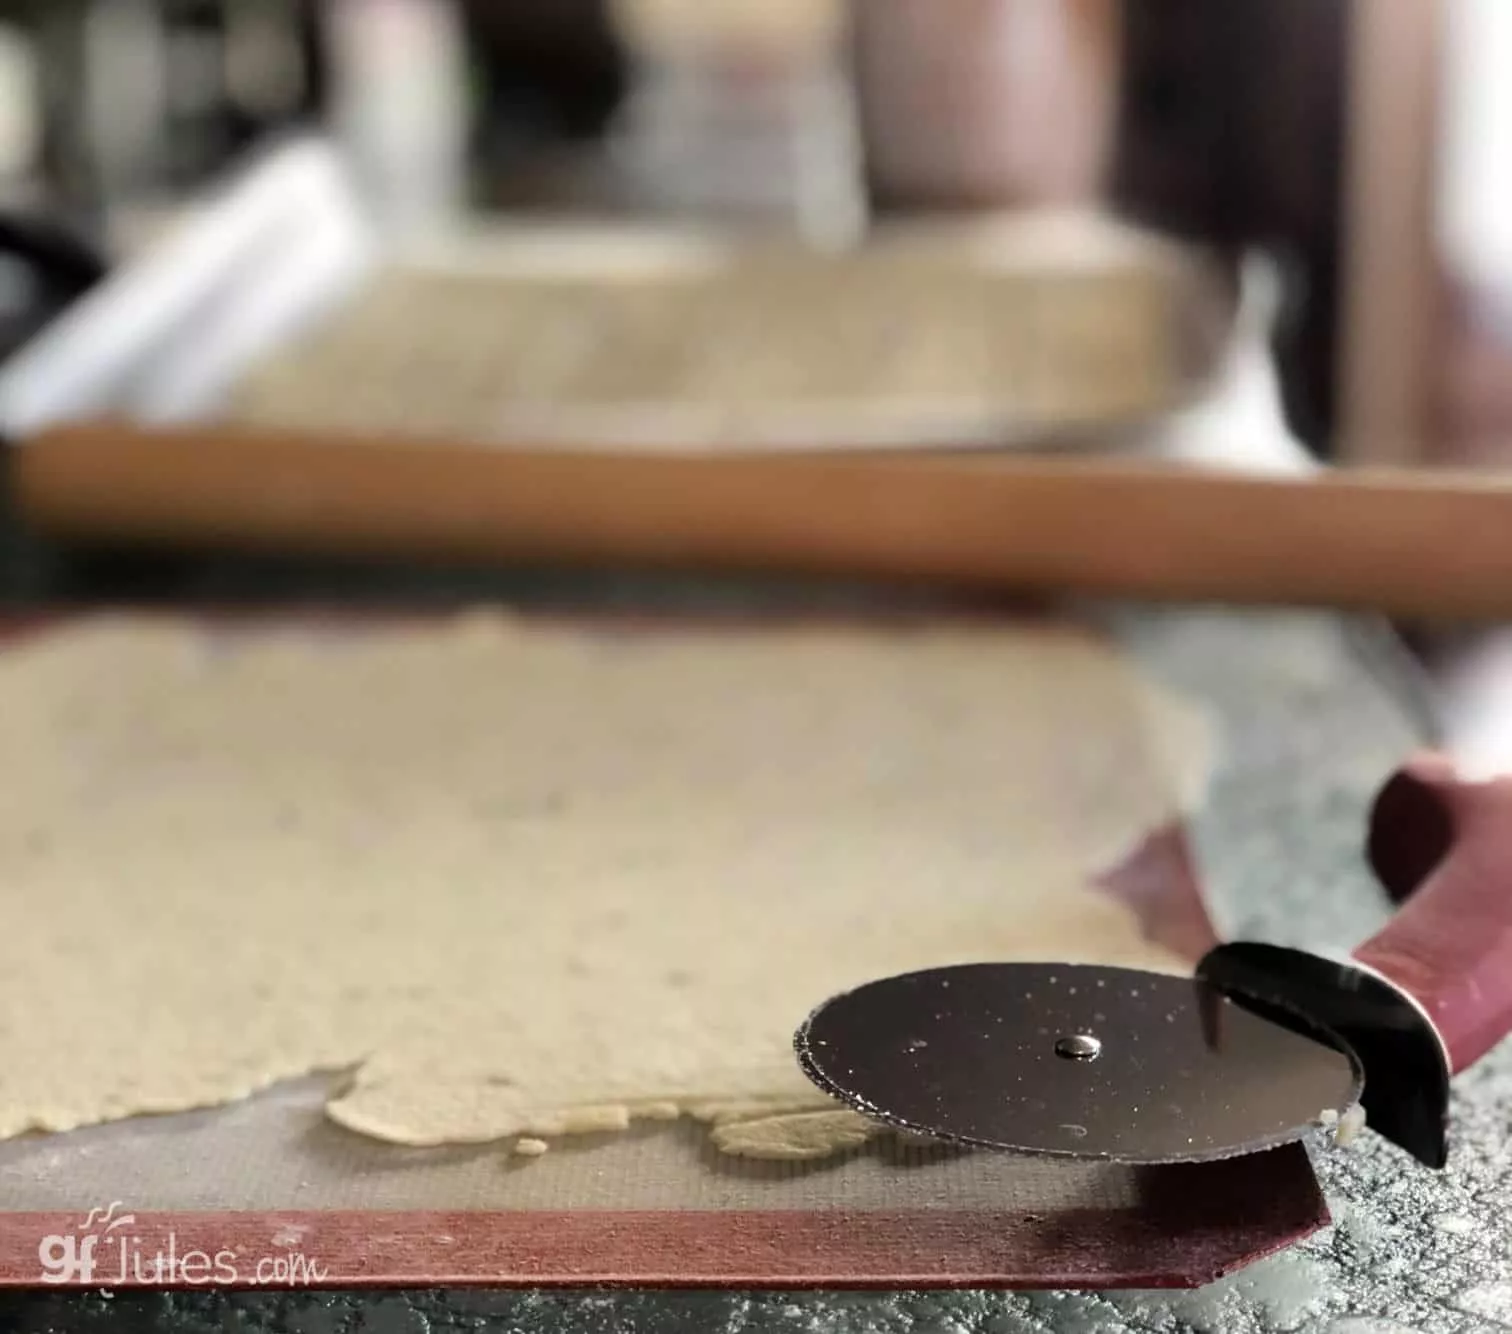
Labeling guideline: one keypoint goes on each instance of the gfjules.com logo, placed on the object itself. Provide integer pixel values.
(105, 1249)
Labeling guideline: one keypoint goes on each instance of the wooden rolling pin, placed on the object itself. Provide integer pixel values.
(1435, 547)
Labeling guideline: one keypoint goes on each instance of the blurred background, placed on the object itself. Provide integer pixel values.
(1070, 193)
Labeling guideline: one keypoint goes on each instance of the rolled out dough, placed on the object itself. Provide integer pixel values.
(524, 881)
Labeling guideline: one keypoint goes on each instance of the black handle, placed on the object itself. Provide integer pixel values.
(63, 264)
(66, 264)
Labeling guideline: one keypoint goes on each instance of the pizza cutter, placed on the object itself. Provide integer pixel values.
(1262, 1045)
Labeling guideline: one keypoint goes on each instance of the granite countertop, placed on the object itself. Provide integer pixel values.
(1314, 711)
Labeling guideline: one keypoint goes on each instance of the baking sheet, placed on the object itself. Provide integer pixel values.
(254, 302)
(1021, 329)
(272, 1178)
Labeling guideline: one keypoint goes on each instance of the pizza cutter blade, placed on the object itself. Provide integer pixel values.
(1076, 1061)
(1260, 1045)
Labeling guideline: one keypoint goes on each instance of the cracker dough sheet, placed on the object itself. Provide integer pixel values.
(516, 880)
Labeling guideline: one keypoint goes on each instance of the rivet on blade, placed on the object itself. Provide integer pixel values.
(1078, 1047)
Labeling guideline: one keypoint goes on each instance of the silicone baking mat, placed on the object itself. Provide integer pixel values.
(269, 1191)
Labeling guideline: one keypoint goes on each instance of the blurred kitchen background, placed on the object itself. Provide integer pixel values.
(1316, 129)
(1319, 129)
(1094, 184)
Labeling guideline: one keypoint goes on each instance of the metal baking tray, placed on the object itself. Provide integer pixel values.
(276, 301)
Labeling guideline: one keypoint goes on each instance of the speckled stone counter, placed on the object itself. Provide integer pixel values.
(1314, 712)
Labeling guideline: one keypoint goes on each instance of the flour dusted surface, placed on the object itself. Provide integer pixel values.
(524, 880)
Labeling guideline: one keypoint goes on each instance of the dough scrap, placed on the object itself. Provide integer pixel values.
(524, 881)
(795, 1136)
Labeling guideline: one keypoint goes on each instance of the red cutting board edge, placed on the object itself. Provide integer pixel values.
(1195, 1222)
